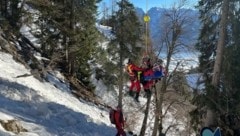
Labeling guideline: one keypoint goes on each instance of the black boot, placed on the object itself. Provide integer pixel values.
(148, 92)
(131, 93)
(136, 97)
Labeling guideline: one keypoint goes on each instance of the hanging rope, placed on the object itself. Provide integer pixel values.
(146, 19)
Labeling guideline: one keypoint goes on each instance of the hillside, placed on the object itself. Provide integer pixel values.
(40, 100)
(48, 107)
(42, 108)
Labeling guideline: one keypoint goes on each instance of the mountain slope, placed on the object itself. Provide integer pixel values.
(44, 110)
(158, 18)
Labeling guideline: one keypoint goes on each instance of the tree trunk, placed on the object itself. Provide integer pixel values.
(211, 118)
(14, 13)
(144, 124)
(161, 88)
(120, 75)
(5, 7)
(221, 44)
(162, 92)
(158, 108)
(71, 56)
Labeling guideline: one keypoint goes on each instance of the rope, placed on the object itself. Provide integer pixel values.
(146, 37)
(146, 20)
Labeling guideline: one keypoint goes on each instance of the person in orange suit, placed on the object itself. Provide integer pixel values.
(133, 70)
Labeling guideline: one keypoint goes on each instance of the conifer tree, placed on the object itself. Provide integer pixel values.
(231, 67)
(127, 30)
(220, 89)
(11, 11)
(208, 37)
(206, 45)
(70, 34)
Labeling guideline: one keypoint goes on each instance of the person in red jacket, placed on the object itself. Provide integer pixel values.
(147, 85)
(147, 74)
(133, 70)
(119, 122)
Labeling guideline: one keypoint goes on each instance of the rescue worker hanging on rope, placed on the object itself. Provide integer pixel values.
(148, 72)
(133, 71)
(147, 75)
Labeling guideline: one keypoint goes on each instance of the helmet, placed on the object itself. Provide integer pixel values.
(129, 61)
(159, 61)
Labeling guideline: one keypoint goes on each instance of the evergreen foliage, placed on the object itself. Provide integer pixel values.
(223, 100)
(68, 34)
(128, 33)
(207, 45)
(128, 30)
(232, 63)
(208, 37)
(10, 14)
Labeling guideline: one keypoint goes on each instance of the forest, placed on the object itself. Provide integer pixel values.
(67, 39)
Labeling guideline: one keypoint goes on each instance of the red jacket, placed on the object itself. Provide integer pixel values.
(148, 72)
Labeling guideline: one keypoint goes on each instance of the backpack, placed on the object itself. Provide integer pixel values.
(111, 116)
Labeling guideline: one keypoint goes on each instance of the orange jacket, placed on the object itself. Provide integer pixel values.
(133, 69)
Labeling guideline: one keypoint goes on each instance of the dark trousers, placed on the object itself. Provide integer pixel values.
(120, 132)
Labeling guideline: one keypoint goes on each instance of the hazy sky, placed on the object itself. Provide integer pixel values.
(147, 4)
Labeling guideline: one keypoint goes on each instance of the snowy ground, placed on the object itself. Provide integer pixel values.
(49, 109)
(43, 109)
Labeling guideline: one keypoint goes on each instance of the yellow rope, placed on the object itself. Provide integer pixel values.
(146, 38)
(146, 20)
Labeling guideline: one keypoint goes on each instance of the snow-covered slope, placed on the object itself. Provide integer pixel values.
(44, 110)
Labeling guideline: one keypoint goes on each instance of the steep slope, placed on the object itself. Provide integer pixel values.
(43, 109)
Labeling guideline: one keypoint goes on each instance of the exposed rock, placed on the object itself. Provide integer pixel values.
(13, 126)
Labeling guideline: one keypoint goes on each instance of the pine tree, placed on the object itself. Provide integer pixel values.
(207, 46)
(69, 34)
(231, 69)
(127, 30)
(219, 89)
(11, 12)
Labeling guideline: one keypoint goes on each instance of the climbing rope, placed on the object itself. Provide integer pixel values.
(146, 19)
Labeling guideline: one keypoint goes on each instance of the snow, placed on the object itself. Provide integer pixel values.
(44, 109)
(106, 31)
(48, 108)
(26, 31)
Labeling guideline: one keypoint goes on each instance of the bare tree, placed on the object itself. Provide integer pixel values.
(174, 24)
(146, 113)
